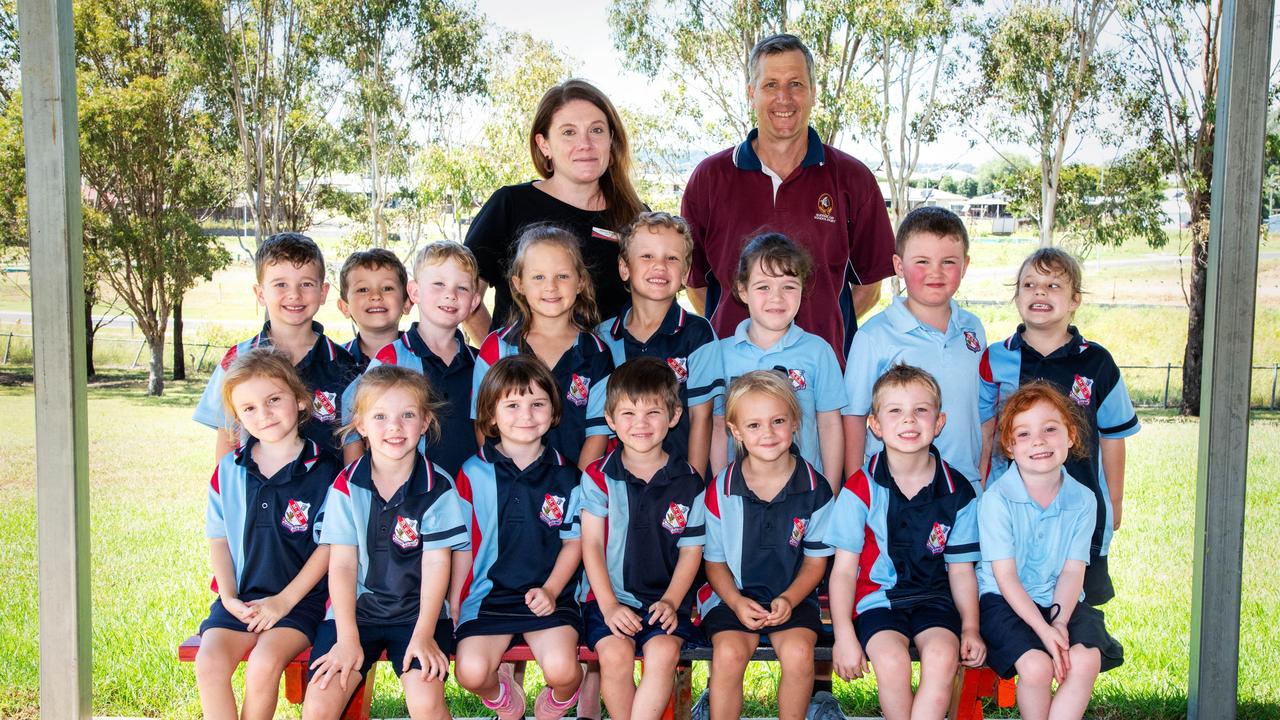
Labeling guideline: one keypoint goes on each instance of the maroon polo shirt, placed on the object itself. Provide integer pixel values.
(831, 205)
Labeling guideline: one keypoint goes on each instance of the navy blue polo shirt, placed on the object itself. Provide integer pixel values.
(452, 382)
(688, 345)
(326, 370)
(520, 520)
(1086, 373)
(647, 523)
(580, 373)
(352, 346)
(391, 535)
(271, 524)
(905, 544)
(765, 543)
(831, 205)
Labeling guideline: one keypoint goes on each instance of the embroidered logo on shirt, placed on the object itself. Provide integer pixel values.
(406, 533)
(798, 526)
(971, 340)
(295, 516)
(797, 379)
(1081, 391)
(324, 406)
(825, 206)
(552, 510)
(578, 390)
(679, 366)
(676, 519)
(938, 538)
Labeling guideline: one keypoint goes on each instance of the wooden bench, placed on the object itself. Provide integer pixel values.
(971, 686)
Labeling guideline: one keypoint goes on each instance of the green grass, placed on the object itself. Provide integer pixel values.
(150, 567)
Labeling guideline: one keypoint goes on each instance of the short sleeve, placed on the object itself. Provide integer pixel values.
(814, 543)
(317, 526)
(695, 528)
(847, 528)
(831, 393)
(215, 525)
(595, 493)
(490, 237)
(340, 515)
(209, 410)
(571, 529)
(706, 373)
(871, 242)
(995, 527)
(860, 373)
(348, 406)
(442, 524)
(1082, 528)
(602, 366)
(962, 544)
(477, 375)
(714, 549)
(1116, 417)
(988, 391)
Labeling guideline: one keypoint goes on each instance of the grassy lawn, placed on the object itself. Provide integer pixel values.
(150, 567)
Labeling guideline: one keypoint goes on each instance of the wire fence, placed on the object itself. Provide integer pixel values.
(1150, 386)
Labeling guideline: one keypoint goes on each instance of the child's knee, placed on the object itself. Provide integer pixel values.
(561, 669)
(940, 658)
(1085, 660)
(662, 653)
(263, 672)
(424, 698)
(617, 656)
(731, 652)
(1035, 667)
(795, 656)
(472, 672)
(214, 665)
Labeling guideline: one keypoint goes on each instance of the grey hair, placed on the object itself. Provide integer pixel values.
(773, 45)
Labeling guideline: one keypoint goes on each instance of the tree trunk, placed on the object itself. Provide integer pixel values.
(89, 330)
(1193, 356)
(179, 354)
(155, 370)
(1048, 208)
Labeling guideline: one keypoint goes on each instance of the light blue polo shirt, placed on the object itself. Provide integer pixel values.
(806, 361)
(1040, 540)
(895, 336)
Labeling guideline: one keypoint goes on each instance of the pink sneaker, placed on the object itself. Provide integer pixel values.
(510, 704)
(546, 707)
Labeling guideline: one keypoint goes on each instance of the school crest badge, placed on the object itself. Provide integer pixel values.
(552, 512)
(578, 390)
(798, 526)
(406, 533)
(825, 207)
(676, 519)
(679, 366)
(1081, 391)
(971, 340)
(797, 380)
(324, 406)
(938, 538)
(295, 516)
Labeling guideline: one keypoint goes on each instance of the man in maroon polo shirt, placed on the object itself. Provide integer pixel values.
(783, 178)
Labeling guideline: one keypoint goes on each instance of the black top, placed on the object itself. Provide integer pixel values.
(509, 210)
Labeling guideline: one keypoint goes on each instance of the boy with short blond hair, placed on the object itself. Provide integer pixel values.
(649, 505)
(291, 285)
(905, 532)
(373, 290)
(444, 289)
(926, 329)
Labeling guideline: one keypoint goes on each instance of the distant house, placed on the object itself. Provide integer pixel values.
(995, 207)
(918, 197)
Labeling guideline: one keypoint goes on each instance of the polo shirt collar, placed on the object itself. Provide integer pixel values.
(586, 344)
(489, 453)
(803, 479)
(789, 338)
(903, 321)
(418, 346)
(1015, 489)
(675, 468)
(672, 322)
(1074, 346)
(943, 483)
(745, 157)
(421, 480)
(323, 347)
(301, 465)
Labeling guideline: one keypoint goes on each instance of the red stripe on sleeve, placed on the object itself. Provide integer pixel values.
(387, 355)
(596, 472)
(213, 481)
(984, 366)
(859, 484)
(490, 350)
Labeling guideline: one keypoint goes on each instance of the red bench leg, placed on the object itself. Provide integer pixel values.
(1007, 693)
(975, 685)
(358, 708)
(295, 682)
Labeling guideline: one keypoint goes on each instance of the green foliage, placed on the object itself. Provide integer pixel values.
(1099, 206)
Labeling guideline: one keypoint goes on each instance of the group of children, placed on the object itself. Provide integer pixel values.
(637, 484)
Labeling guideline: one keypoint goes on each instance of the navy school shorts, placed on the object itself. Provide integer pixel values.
(805, 615)
(908, 622)
(305, 617)
(1008, 637)
(596, 630)
(376, 638)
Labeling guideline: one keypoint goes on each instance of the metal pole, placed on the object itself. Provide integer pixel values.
(1168, 371)
(200, 362)
(142, 345)
(1235, 200)
(52, 138)
(9, 342)
(1275, 375)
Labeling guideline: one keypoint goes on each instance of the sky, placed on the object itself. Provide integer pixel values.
(581, 30)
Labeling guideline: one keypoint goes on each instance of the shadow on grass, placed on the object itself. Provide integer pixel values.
(115, 384)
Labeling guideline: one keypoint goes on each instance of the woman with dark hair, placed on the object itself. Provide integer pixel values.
(580, 150)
